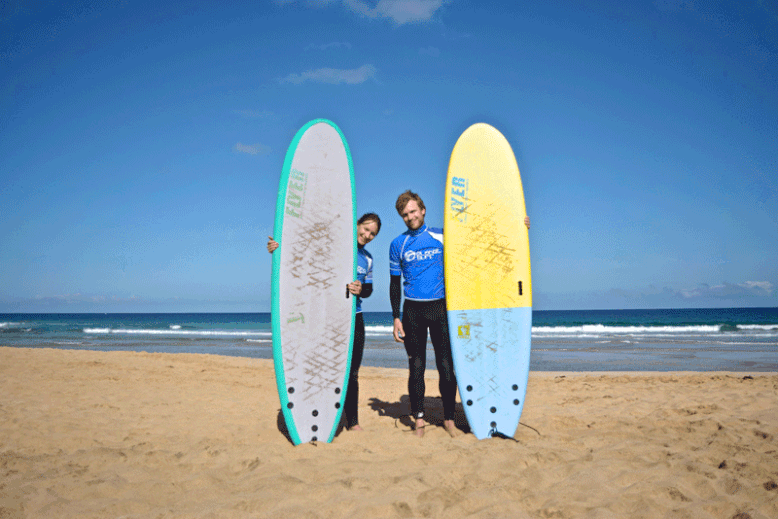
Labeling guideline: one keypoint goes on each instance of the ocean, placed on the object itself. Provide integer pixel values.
(721, 339)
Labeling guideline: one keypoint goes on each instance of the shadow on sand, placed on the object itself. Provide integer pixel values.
(400, 412)
(433, 412)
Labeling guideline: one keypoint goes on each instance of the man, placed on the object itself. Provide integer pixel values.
(417, 256)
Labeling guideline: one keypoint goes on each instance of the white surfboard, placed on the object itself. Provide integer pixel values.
(312, 317)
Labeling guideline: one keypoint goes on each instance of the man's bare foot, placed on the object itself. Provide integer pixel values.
(450, 428)
(419, 429)
(356, 428)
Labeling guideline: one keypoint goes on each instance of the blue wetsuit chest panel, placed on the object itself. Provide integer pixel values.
(418, 257)
(364, 271)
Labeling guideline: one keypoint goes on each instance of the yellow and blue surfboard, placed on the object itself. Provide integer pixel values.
(488, 282)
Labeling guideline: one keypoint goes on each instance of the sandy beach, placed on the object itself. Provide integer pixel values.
(123, 434)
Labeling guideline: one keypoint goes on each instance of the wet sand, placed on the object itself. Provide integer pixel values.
(123, 434)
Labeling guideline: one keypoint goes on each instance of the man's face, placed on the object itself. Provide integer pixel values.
(413, 216)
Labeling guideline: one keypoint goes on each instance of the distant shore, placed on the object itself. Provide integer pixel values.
(96, 434)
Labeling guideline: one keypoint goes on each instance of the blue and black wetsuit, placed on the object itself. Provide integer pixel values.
(365, 276)
(417, 256)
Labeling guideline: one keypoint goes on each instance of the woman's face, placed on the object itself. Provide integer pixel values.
(366, 231)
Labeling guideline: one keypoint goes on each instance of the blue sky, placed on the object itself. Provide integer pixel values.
(141, 143)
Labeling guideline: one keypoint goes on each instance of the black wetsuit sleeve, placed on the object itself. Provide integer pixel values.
(395, 295)
(367, 289)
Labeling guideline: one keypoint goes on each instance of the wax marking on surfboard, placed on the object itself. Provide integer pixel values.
(313, 236)
(497, 252)
(493, 385)
(323, 366)
(492, 346)
(486, 247)
(320, 271)
(320, 377)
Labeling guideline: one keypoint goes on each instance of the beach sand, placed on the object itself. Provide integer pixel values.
(123, 434)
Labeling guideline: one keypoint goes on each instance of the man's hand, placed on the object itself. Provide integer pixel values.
(399, 333)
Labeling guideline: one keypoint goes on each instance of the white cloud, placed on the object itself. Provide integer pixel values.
(400, 11)
(71, 299)
(430, 51)
(333, 76)
(252, 149)
(746, 293)
(763, 285)
(730, 290)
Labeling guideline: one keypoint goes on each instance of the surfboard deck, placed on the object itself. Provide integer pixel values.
(488, 281)
(312, 318)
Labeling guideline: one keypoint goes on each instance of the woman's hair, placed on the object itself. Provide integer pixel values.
(406, 197)
(370, 217)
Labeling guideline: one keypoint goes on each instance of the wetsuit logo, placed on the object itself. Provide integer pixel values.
(459, 190)
(295, 192)
(463, 331)
(421, 255)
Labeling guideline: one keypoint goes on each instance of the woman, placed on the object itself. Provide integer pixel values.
(367, 229)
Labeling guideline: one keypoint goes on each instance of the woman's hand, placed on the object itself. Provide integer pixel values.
(355, 287)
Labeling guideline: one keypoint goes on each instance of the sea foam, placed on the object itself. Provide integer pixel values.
(768, 327)
(601, 329)
(196, 333)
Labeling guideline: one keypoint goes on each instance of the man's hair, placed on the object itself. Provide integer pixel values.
(370, 217)
(406, 197)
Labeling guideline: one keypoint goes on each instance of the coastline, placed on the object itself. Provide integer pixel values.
(737, 340)
(98, 434)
